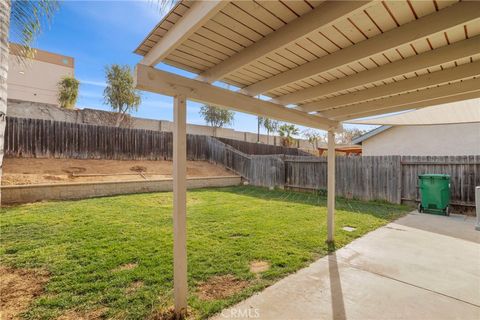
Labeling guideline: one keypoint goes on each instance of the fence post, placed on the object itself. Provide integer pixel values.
(399, 180)
(477, 202)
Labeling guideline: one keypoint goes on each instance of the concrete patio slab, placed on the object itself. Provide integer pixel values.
(420, 267)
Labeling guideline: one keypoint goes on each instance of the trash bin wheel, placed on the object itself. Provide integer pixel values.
(419, 208)
(448, 210)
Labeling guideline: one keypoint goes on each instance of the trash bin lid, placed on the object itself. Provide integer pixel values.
(433, 176)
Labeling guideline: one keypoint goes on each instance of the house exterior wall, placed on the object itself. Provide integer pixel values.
(434, 140)
(36, 79)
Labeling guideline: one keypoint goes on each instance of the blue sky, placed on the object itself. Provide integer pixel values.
(99, 33)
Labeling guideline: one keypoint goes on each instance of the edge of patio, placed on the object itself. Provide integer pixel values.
(418, 267)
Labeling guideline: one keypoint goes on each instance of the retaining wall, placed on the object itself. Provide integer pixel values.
(72, 191)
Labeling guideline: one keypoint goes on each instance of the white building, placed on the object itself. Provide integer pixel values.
(36, 79)
(441, 130)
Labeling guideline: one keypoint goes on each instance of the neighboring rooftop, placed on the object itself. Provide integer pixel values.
(369, 134)
(44, 56)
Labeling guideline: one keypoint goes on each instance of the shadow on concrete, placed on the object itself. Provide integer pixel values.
(336, 292)
(456, 226)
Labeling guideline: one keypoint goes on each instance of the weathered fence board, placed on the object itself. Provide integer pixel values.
(262, 149)
(366, 178)
(464, 173)
(44, 139)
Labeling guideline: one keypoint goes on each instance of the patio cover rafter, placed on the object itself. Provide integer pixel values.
(455, 51)
(439, 21)
(403, 100)
(422, 104)
(321, 16)
(464, 71)
(154, 80)
(195, 17)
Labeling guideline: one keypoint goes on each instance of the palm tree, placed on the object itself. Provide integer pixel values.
(260, 121)
(286, 132)
(271, 126)
(68, 92)
(24, 20)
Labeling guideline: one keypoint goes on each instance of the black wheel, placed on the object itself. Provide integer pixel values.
(419, 208)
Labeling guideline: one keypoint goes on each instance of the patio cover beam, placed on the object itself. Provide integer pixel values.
(194, 18)
(404, 100)
(154, 80)
(464, 71)
(422, 104)
(432, 58)
(324, 15)
(439, 21)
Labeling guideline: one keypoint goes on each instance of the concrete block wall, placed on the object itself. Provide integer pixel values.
(25, 109)
(82, 190)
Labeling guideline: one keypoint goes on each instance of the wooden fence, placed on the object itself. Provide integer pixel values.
(259, 170)
(34, 138)
(262, 149)
(464, 173)
(366, 178)
(44, 138)
(389, 178)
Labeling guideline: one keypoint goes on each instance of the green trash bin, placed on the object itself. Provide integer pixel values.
(434, 193)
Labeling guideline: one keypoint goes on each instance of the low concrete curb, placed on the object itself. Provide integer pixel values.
(81, 190)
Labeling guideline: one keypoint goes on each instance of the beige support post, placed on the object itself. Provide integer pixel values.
(331, 185)
(180, 205)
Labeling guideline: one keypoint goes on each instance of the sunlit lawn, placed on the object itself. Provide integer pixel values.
(83, 245)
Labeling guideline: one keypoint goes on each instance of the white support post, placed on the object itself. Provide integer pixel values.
(180, 205)
(331, 185)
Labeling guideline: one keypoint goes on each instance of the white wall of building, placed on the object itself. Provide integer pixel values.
(36, 79)
(433, 140)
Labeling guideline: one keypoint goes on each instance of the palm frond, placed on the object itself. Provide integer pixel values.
(28, 18)
(164, 5)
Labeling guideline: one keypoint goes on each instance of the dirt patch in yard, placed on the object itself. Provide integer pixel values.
(138, 169)
(89, 315)
(74, 170)
(134, 286)
(21, 171)
(259, 266)
(18, 288)
(128, 266)
(52, 178)
(169, 314)
(220, 287)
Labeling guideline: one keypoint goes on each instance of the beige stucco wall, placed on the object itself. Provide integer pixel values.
(435, 140)
(36, 79)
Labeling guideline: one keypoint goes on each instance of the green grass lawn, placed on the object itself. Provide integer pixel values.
(84, 244)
